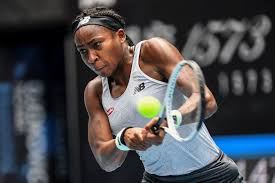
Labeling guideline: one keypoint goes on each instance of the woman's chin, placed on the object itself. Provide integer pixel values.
(103, 74)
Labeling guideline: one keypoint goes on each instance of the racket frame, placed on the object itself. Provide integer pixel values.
(166, 108)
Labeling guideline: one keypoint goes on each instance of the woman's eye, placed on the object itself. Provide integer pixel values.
(82, 51)
(97, 45)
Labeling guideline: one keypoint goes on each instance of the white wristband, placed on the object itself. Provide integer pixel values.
(177, 117)
(119, 145)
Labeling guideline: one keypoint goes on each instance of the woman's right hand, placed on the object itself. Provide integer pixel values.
(135, 138)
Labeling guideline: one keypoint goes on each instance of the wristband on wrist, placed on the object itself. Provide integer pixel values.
(177, 117)
(121, 146)
(122, 135)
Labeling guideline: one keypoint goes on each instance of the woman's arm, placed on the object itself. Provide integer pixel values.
(163, 57)
(100, 136)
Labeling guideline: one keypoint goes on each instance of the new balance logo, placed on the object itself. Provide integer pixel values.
(139, 88)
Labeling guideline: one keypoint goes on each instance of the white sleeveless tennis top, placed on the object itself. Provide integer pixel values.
(171, 157)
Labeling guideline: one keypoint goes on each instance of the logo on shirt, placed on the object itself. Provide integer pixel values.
(139, 88)
(110, 111)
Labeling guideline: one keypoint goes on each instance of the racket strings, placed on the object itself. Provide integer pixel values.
(193, 120)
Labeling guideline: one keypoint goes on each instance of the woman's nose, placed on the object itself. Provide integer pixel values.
(92, 58)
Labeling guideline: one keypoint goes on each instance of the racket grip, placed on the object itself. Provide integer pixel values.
(156, 127)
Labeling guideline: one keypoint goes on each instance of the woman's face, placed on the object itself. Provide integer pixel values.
(100, 48)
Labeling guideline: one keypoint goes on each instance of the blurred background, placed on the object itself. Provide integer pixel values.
(43, 122)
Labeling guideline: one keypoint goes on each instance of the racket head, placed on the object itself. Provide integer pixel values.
(174, 98)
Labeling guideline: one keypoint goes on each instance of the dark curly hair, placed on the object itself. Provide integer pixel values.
(103, 11)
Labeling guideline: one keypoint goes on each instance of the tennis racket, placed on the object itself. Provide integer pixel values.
(183, 130)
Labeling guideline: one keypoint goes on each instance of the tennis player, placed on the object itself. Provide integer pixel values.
(125, 73)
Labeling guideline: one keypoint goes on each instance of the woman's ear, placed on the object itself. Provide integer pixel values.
(121, 34)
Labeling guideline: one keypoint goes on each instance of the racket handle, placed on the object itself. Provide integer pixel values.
(156, 127)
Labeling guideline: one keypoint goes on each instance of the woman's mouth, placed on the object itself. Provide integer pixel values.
(99, 68)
